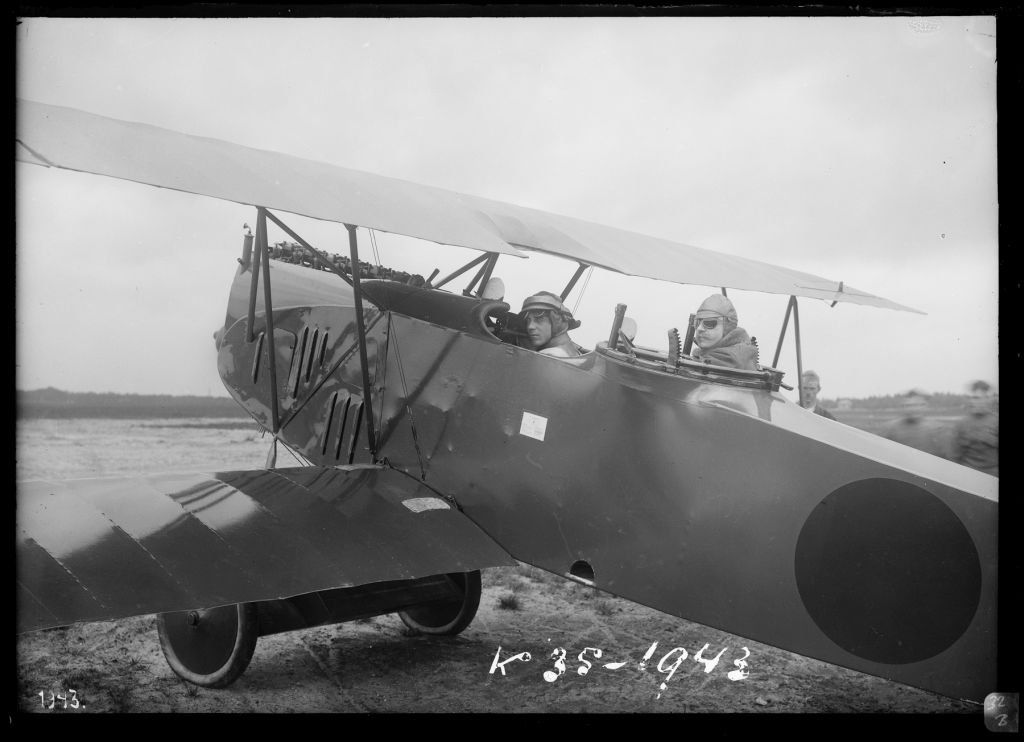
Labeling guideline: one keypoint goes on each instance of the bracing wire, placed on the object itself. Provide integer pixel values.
(583, 290)
(299, 458)
(373, 244)
(405, 394)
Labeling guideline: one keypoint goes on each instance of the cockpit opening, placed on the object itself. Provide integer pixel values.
(677, 359)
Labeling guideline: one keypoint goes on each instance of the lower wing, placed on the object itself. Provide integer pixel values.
(102, 549)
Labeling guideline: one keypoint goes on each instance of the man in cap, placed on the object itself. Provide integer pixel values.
(916, 430)
(718, 338)
(976, 436)
(809, 387)
(548, 323)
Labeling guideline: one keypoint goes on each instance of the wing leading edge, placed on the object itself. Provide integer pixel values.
(101, 549)
(56, 136)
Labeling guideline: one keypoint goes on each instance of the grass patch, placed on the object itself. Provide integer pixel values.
(604, 607)
(74, 651)
(539, 576)
(120, 698)
(505, 577)
(75, 680)
(509, 603)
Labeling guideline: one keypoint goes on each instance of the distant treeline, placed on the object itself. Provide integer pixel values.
(51, 403)
(937, 401)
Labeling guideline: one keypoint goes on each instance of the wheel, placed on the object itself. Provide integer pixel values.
(447, 618)
(210, 647)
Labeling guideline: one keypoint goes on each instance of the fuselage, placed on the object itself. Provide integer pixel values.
(711, 498)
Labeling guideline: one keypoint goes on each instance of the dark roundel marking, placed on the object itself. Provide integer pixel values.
(887, 571)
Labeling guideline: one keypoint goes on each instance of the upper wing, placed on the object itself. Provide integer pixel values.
(55, 136)
(100, 549)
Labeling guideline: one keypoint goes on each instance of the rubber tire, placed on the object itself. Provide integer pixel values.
(447, 618)
(214, 658)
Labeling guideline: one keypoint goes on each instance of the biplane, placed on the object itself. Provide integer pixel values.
(436, 445)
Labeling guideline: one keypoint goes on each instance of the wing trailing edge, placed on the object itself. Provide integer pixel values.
(102, 549)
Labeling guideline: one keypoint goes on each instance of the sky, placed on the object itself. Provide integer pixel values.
(856, 149)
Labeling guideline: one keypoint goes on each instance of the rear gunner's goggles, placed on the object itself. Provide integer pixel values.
(709, 323)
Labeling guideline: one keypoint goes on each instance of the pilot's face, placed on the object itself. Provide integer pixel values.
(707, 336)
(810, 393)
(538, 327)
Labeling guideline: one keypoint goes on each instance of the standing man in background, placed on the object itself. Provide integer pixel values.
(917, 430)
(809, 387)
(976, 436)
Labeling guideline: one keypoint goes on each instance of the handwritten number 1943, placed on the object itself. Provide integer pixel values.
(69, 699)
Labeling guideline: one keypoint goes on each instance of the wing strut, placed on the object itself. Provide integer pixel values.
(468, 291)
(353, 247)
(572, 281)
(488, 273)
(263, 260)
(324, 258)
(455, 274)
(264, 255)
(482, 276)
(791, 308)
(253, 287)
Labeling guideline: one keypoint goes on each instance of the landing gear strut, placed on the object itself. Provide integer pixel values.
(213, 647)
(449, 617)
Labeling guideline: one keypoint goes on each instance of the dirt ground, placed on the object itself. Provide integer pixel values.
(378, 665)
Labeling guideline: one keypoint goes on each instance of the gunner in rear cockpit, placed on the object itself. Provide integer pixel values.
(718, 339)
(548, 323)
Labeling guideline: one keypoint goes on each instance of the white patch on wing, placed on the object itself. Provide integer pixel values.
(419, 504)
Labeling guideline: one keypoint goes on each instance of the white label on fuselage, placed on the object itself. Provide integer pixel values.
(419, 504)
(533, 426)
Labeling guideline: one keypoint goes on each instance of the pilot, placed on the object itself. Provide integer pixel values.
(718, 338)
(548, 323)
